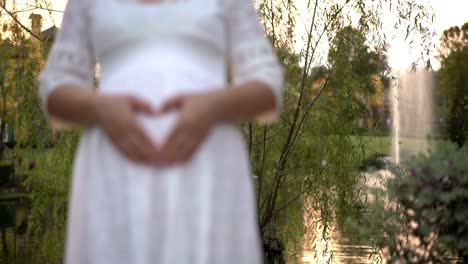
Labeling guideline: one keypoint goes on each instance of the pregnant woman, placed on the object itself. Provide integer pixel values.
(161, 174)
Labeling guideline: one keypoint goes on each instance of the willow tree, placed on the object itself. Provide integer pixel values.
(305, 165)
(48, 182)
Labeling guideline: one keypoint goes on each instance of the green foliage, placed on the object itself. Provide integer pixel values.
(14, 53)
(44, 171)
(31, 123)
(310, 158)
(48, 184)
(374, 162)
(424, 216)
(454, 81)
(356, 70)
(435, 195)
(350, 55)
(321, 171)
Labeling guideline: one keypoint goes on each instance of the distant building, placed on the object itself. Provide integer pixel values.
(46, 37)
(13, 57)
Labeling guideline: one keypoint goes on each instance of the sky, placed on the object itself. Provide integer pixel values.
(447, 13)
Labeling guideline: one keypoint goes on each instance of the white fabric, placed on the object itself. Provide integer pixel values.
(199, 212)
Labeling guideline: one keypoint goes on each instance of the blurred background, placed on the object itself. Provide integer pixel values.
(367, 165)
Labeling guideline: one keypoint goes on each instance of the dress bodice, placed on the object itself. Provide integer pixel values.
(157, 50)
(146, 46)
(115, 23)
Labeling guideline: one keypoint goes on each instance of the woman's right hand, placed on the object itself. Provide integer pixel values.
(117, 116)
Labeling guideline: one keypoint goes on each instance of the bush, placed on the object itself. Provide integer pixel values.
(375, 161)
(433, 193)
(422, 217)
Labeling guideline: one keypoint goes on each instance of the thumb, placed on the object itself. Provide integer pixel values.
(172, 103)
(140, 105)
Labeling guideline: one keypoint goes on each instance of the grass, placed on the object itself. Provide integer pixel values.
(29, 156)
(374, 145)
(7, 196)
(37, 169)
(378, 145)
(382, 145)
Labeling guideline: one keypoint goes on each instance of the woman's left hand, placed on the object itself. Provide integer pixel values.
(197, 117)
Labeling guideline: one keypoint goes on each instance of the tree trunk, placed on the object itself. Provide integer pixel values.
(2, 144)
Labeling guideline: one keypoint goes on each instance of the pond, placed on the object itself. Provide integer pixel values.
(13, 227)
(337, 249)
(333, 247)
(14, 241)
(15, 248)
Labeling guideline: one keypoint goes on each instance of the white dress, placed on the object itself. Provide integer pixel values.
(199, 212)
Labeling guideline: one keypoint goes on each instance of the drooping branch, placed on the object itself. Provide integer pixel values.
(19, 23)
(48, 9)
(271, 199)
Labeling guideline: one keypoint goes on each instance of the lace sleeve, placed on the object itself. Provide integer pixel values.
(70, 59)
(251, 55)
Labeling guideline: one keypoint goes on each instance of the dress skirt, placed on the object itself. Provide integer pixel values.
(199, 212)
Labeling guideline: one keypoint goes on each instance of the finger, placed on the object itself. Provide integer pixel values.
(126, 149)
(130, 144)
(125, 145)
(186, 144)
(188, 151)
(136, 149)
(147, 147)
(179, 150)
(141, 105)
(171, 147)
(172, 103)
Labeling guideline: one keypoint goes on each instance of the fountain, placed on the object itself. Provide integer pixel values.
(411, 101)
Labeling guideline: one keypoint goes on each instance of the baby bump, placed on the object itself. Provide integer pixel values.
(156, 85)
(153, 87)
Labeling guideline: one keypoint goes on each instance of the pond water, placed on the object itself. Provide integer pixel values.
(339, 250)
(14, 241)
(333, 247)
(13, 226)
(336, 249)
(352, 254)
